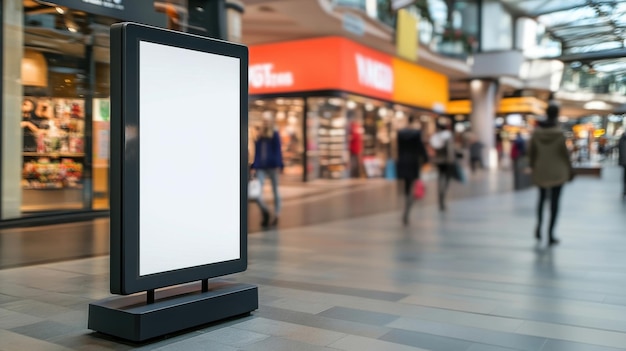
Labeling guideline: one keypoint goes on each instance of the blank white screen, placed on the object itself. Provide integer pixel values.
(189, 158)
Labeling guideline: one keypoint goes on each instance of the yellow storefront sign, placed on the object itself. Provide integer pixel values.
(419, 86)
(527, 104)
(459, 107)
(406, 36)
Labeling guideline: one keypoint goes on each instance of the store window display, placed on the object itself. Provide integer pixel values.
(65, 110)
(328, 149)
(53, 152)
(335, 137)
(53, 143)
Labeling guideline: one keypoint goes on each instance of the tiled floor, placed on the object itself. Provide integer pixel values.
(303, 204)
(472, 279)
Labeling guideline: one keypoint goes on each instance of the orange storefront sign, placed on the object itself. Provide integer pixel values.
(335, 63)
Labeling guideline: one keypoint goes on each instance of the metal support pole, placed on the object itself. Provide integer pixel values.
(150, 296)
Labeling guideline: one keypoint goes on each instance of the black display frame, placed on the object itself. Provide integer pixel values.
(124, 178)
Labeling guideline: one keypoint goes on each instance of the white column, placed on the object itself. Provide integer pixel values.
(12, 96)
(483, 96)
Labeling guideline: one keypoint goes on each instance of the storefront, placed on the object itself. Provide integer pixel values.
(55, 97)
(595, 137)
(515, 115)
(338, 105)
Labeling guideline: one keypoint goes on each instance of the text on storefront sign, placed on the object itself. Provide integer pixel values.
(263, 76)
(374, 74)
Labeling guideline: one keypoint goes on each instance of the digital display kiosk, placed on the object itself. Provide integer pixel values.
(178, 181)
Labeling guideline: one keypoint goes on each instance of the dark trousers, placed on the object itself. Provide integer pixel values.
(409, 184)
(443, 181)
(355, 166)
(554, 194)
(476, 163)
(624, 188)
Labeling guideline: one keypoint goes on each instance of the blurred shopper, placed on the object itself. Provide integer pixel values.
(268, 163)
(356, 149)
(520, 162)
(476, 154)
(411, 157)
(445, 157)
(621, 147)
(499, 147)
(518, 149)
(551, 168)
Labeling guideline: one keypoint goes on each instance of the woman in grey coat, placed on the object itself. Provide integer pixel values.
(551, 168)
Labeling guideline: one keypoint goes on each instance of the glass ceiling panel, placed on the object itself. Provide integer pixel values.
(585, 30)
(587, 22)
(537, 7)
(582, 25)
(569, 16)
(595, 47)
(611, 66)
(592, 42)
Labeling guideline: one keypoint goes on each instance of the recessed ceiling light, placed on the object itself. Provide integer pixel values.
(597, 105)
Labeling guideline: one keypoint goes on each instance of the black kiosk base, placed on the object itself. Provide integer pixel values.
(175, 309)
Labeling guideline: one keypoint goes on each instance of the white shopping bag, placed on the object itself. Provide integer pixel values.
(254, 189)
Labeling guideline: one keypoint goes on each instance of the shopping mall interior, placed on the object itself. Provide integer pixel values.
(314, 208)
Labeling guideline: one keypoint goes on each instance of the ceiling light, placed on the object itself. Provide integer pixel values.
(597, 105)
(60, 10)
(71, 25)
(34, 69)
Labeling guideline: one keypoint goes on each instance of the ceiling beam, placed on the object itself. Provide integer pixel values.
(567, 8)
(594, 56)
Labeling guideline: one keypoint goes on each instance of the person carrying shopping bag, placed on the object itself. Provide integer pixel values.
(445, 159)
(411, 157)
(268, 163)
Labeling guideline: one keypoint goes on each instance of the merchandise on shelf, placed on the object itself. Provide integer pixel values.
(45, 174)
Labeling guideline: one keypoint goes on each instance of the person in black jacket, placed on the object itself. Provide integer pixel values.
(411, 156)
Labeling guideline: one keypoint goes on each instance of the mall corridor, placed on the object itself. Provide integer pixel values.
(471, 279)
